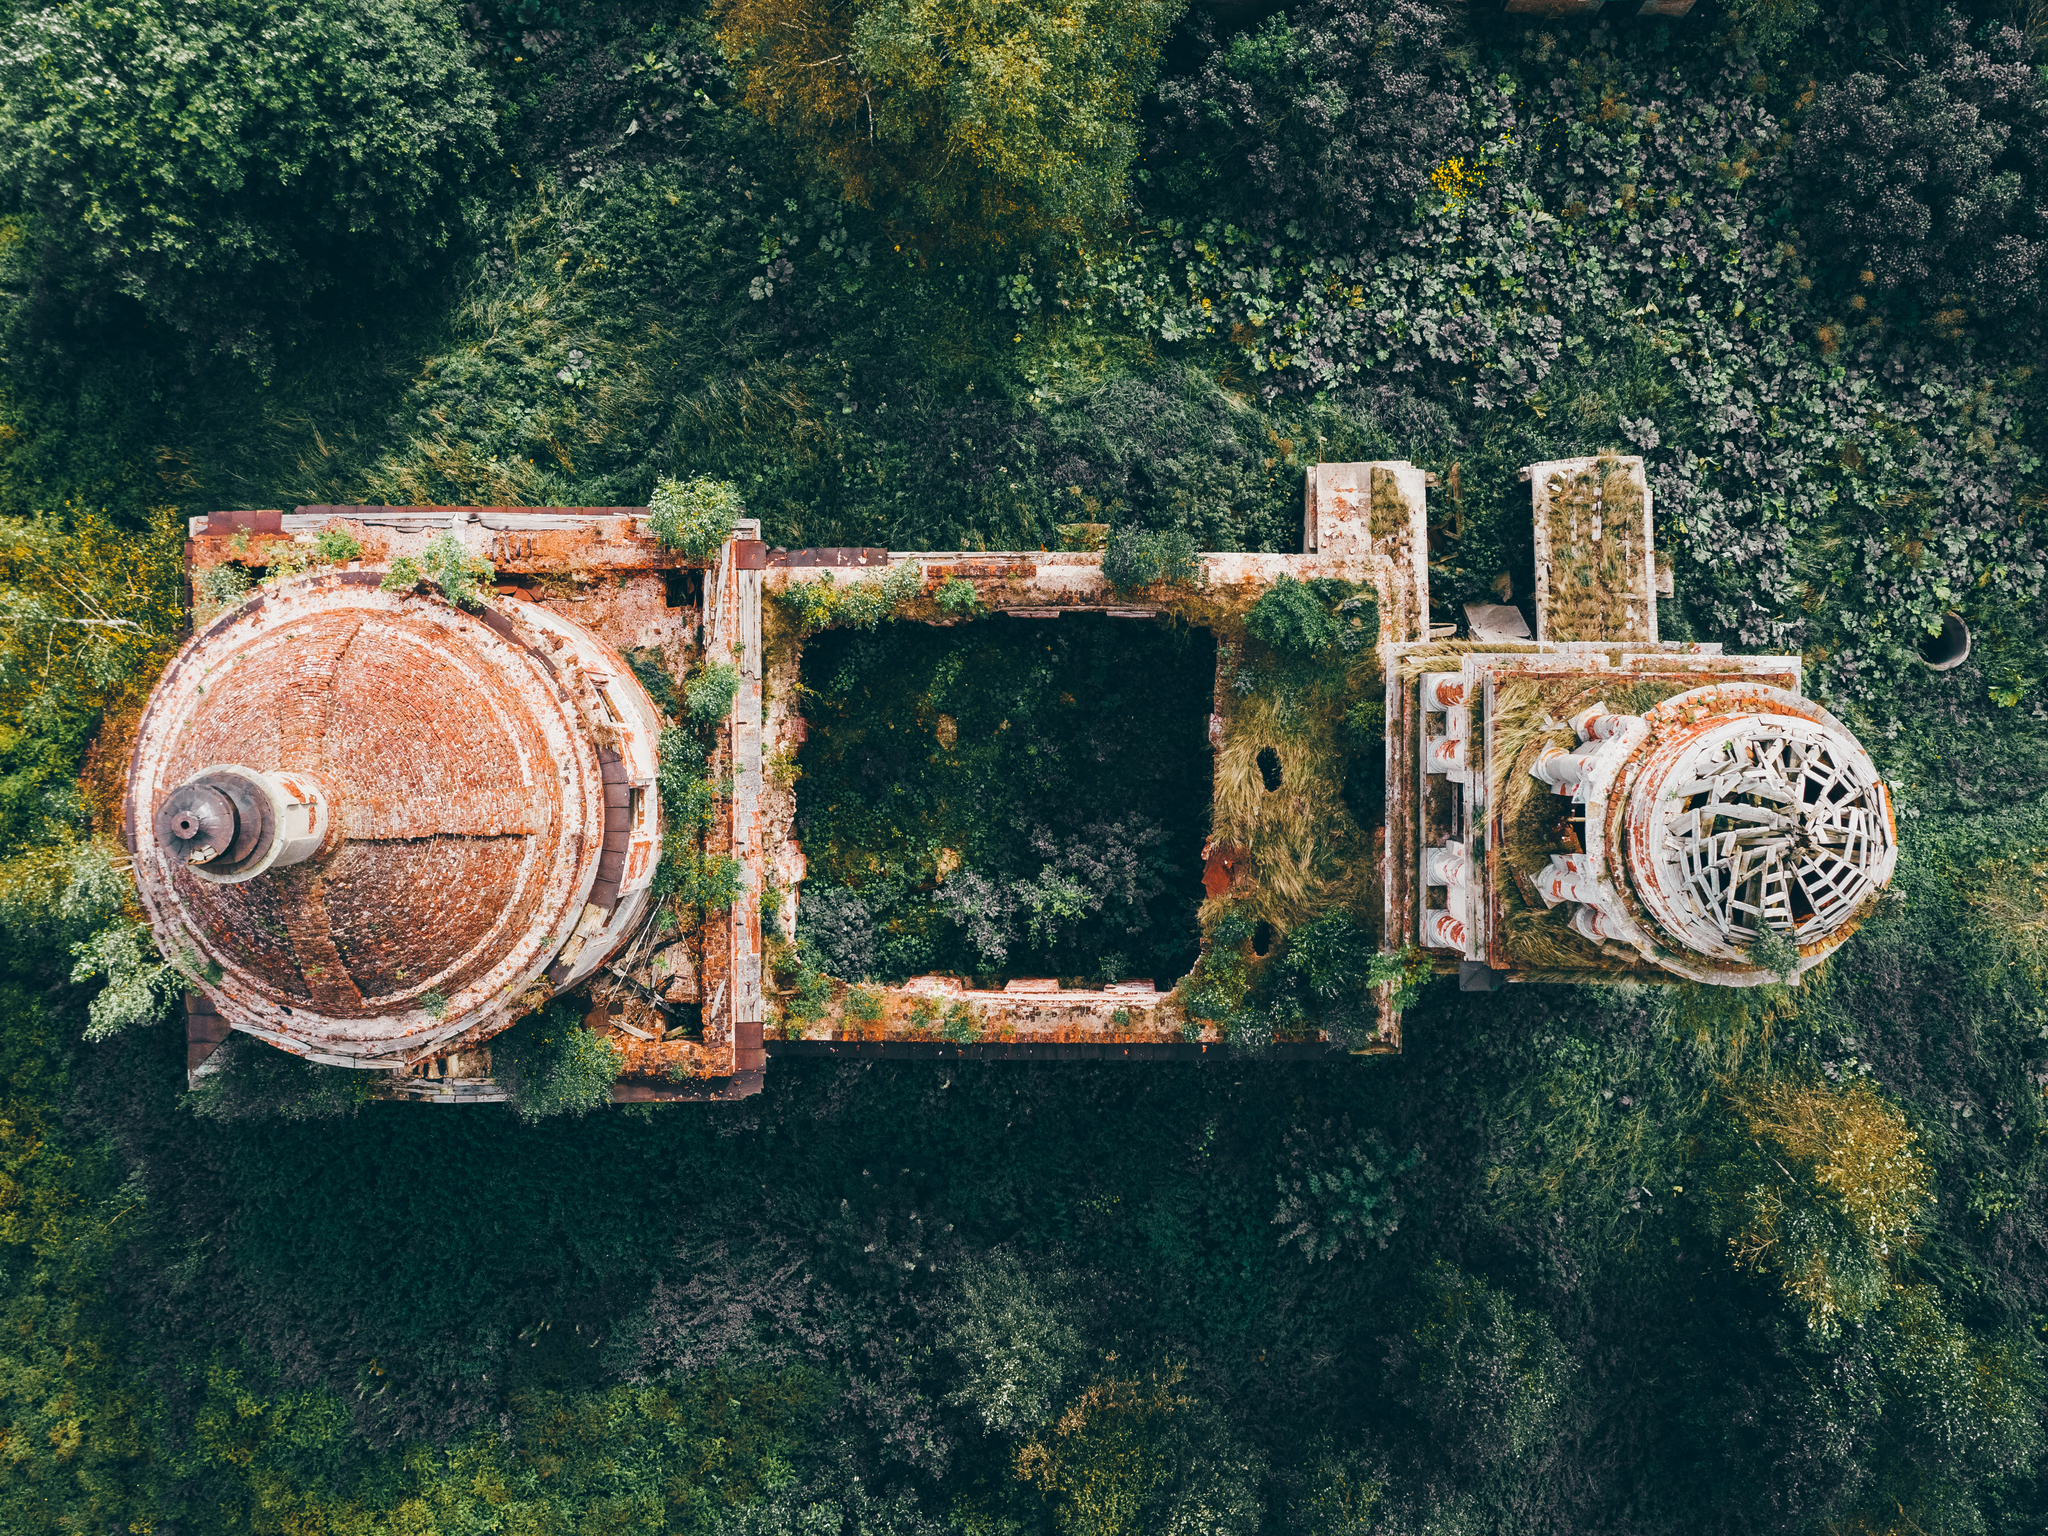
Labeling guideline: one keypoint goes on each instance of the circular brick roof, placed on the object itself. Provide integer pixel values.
(459, 754)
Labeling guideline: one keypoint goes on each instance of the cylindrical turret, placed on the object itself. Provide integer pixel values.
(231, 824)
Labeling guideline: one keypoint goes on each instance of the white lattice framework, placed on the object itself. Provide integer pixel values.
(1772, 822)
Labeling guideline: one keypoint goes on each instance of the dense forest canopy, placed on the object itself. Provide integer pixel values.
(950, 274)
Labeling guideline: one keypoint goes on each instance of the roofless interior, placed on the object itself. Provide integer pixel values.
(1006, 798)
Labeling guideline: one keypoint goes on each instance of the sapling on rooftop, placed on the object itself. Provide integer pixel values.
(694, 517)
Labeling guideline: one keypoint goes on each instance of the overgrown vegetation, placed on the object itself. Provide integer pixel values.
(1618, 1260)
(1004, 798)
(551, 1064)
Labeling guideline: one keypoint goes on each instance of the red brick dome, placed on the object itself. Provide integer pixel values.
(454, 767)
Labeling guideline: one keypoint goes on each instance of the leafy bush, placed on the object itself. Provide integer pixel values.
(337, 546)
(1324, 121)
(1133, 1453)
(1337, 1194)
(1106, 869)
(811, 996)
(957, 598)
(1141, 557)
(961, 1025)
(1289, 616)
(1487, 1377)
(225, 584)
(1016, 1346)
(449, 565)
(655, 677)
(708, 695)
(710, 882)
(224, 163)
(139, 985)
(932, 111)
(863, 1006)
(689, 799)
(694, 517)
(824, 604)
(836, 921)
(985, 910)
(1971, 1403)
(1932, 177)
(1827, 1188)
(550, 1064)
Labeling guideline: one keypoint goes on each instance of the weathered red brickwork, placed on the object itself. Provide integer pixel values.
(441, 778)
(397, 908)
(460, 754)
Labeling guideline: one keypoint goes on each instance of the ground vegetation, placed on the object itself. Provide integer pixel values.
(1627, 1260)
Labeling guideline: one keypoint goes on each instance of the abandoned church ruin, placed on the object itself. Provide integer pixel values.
(383, 826)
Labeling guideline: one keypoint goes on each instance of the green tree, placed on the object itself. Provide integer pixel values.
(1133, 1454)
(1016, 1346)
(1824, 1190)
(551, 1064)
(981, 121)
(1487, 1377)
(223, 162)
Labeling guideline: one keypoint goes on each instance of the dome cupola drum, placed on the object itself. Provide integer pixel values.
(376, 825)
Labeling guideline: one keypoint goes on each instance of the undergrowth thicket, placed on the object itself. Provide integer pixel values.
(1625, 1260)
(1005, 798)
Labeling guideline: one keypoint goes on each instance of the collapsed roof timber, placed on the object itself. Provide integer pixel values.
(386, 827)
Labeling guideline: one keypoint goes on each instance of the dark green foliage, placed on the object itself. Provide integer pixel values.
(1072, 796)
(1290, 617)
(1328, 117)
(1142, 557)
(251, 1080)
(1489, 1378)
(1932, 176)
(1012, 1335)
(837, 923)
(551, 1065)
(1337, 1194)
(961, 1025)
(656, 678)
(1322, 978)
(222, 164)
(810, 990)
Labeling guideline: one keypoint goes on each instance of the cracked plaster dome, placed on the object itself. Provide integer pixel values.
(1769, 818)
(1721, 813)
(374, 820)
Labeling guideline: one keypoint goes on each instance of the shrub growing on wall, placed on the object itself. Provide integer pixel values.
(224, 163)
(552, 1065)
(693, 517)
(1143, 557)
